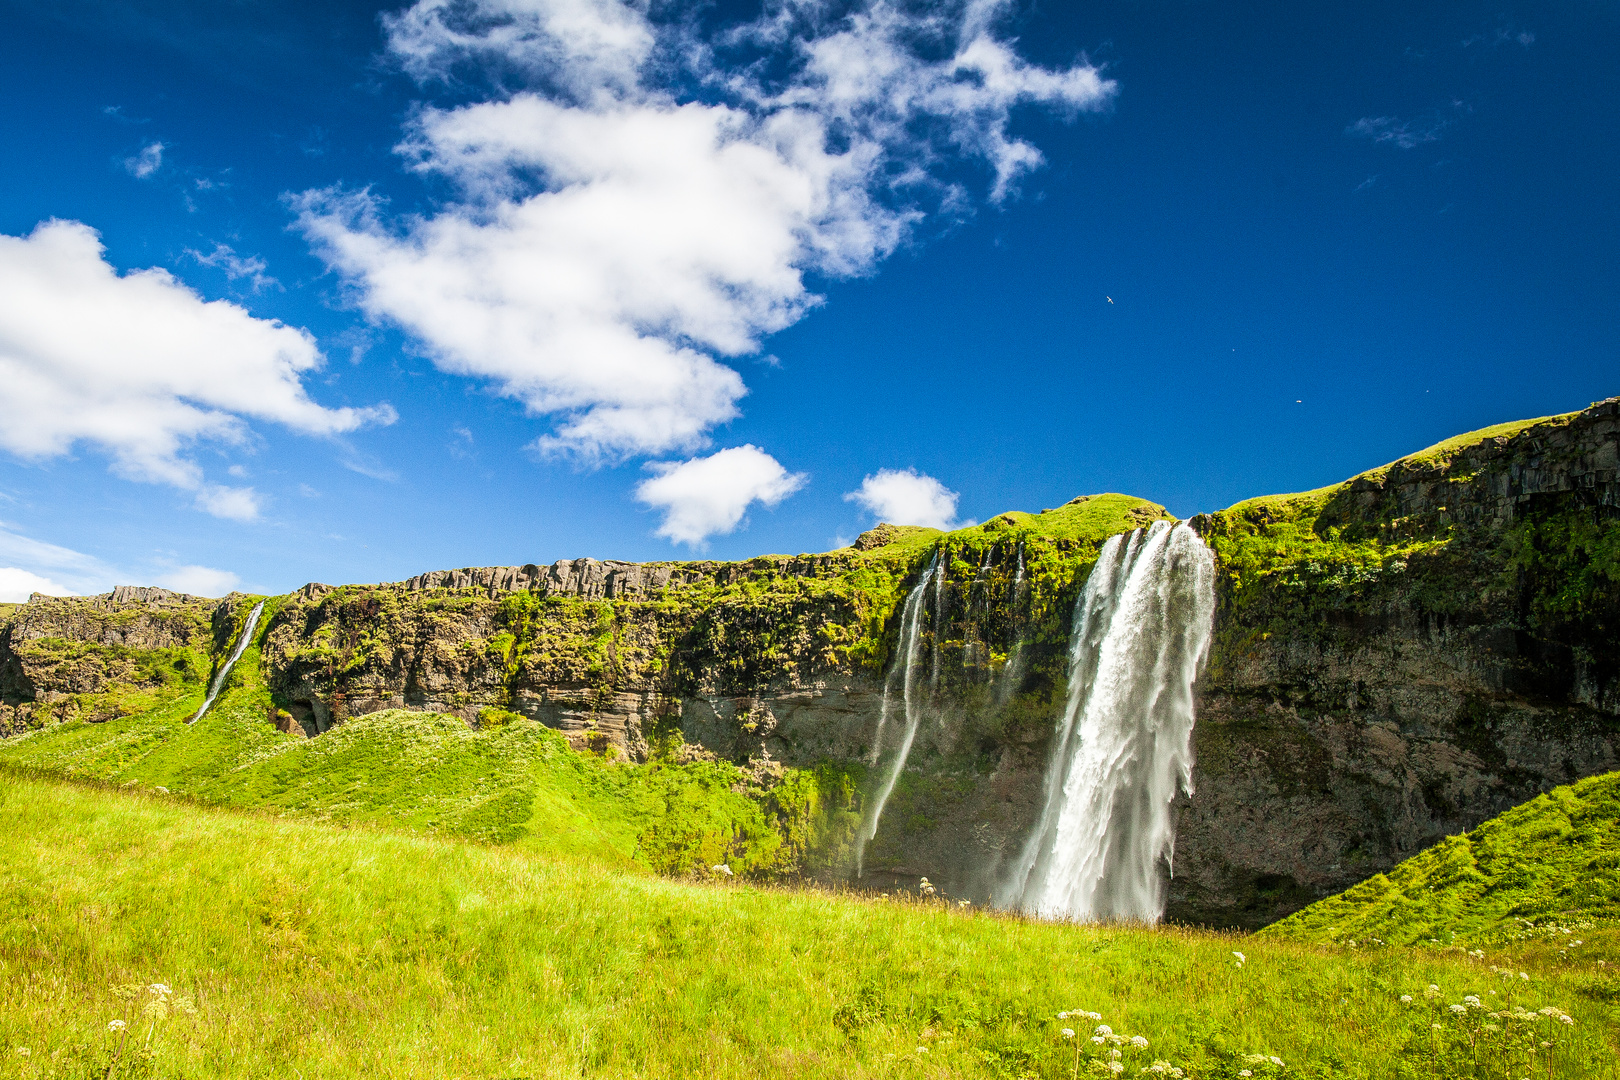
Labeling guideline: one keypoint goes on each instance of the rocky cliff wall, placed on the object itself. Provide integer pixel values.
(1399, 658)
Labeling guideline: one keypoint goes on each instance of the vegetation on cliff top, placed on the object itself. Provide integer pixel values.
(1316, 563)
(1547, 870)
(292, 948)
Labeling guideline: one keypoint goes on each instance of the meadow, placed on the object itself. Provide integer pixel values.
(285, 947)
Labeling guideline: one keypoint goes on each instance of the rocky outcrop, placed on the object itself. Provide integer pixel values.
(58, 654)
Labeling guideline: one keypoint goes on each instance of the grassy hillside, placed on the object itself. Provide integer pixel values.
(513, 781)
(1546, 871)
(293, 948)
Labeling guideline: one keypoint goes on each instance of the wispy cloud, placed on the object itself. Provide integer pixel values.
(1502, 35)
(1367, 183)
(148, 161)
(1407, 133)
(236, 267)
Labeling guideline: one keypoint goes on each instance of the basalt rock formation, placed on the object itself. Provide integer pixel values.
(1396, 658)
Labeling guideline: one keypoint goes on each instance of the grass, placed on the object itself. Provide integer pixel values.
(318, 951)
(1546, 871)
(514, 781)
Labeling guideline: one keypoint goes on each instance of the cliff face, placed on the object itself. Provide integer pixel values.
(1396, 659)
(99, 657)
(1400, 658)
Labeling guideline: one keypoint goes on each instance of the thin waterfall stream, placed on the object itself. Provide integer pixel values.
(1123, 748)
(236, 654)
(904, 671)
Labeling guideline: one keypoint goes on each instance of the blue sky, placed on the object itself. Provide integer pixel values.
(508, 281)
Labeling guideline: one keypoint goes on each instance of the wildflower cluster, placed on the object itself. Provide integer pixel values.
(1108, 1049)
(152, 1002)
(1260, 1065)
(1471, 1031)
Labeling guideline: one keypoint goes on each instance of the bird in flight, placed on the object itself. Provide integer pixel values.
(1110, 299)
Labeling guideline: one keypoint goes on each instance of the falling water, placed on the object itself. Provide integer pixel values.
(1124, 746)
(943, 557)
(1012, 676)
(904, 672)
(241, 647)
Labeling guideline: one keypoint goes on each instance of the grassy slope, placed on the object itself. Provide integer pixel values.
(515, 781)
(1527, 874)
(316, 951)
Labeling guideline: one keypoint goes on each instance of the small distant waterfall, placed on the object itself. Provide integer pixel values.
(241, 647)
(1012, 676)
(1123, 748)
(903, 671)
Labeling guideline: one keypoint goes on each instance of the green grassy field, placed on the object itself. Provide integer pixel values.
(298, 948)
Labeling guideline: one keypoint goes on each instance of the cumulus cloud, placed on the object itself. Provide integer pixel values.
(147, 162)
(79, 573)
(647, 204)
(142, 367)
(17, 585)
(199, 580)
(907, 497)
(707, 496)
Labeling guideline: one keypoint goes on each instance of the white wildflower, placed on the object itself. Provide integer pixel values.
(160, 989)
(116, 1025)
(722, 869)
(1459, 1009)
(1098, 1039)
(1245, 1072)
(1139, 1042)
(1277, 1061)
(1113, 1055)
(1103, 1029)
(1116, 1067)
(1068, 1033)
(1406, 999)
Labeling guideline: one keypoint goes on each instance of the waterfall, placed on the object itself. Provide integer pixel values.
(241, 647)
(1013, 674)
(1123, 747)
(904, 670)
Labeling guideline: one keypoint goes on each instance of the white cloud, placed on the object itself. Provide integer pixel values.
(199, 580)
(142, 367)
(82, 573)
(1407, 134)
(646, 204)
(147, 162)
(17, 585)
(908, 497)
(709, 495)
(236, 266)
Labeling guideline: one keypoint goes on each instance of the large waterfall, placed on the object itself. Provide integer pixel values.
(1123, 748)
(903, 672)
(241, 647)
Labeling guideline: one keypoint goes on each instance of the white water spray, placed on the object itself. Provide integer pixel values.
(904, 671)
(1124, 746)
(241, 647)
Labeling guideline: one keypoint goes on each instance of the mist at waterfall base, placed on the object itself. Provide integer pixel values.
(236, 654)
(1123, 749)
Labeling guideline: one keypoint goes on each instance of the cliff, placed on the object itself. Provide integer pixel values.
(1396, 658)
